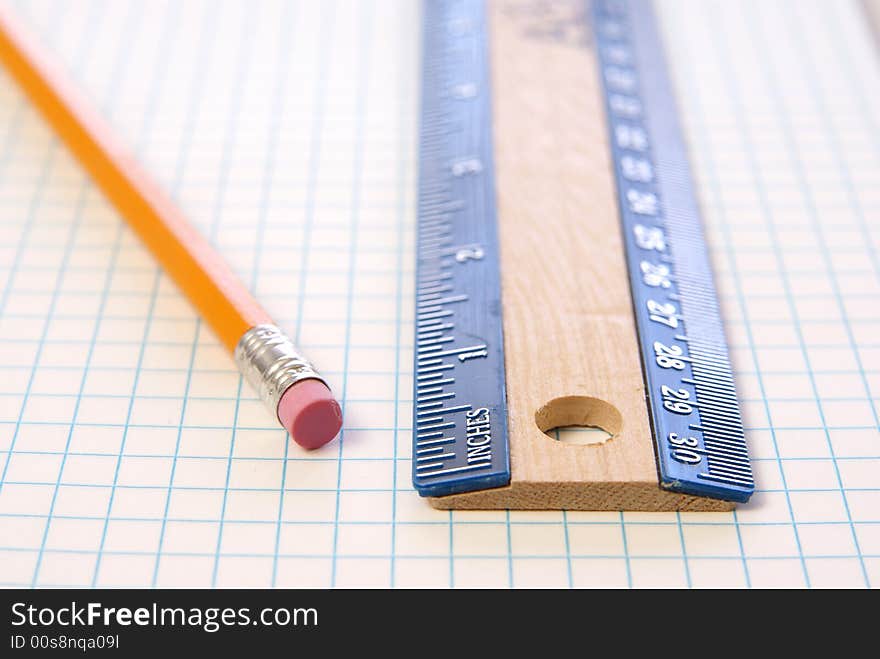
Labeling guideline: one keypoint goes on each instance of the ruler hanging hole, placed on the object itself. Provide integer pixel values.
(579, 435)
(579, 420)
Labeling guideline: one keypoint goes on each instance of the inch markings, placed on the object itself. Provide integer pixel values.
(460, 417)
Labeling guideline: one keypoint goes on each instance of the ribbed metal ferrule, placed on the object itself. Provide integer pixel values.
(271, 363)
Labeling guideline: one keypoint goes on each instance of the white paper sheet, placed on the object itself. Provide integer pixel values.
(132, 455)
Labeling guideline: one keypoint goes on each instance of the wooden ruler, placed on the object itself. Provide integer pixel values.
(571, 348)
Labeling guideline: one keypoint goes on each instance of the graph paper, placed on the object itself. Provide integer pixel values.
(131, 454)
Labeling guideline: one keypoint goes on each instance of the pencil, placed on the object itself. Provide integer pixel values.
(294, 391)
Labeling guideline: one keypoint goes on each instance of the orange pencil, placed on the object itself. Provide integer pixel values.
(286, 381)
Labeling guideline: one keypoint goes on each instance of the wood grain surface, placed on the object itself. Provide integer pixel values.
(570, 341)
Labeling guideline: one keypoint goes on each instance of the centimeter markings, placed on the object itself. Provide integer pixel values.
(460, 415)
(695, 416)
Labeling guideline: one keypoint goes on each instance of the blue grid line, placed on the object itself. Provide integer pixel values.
(79, 62)
(869, 320)
(120, 486)
(404, 146)
(206, 46)
(192, 357)
(48, 163)
(841, 44)
(247, 206)
(451, 533)
(316, 139)
(725, 226)
(203, 488)
(855, 207)
(10, 141)
(309, 523)
(235, 229)
(47, 166)
(760, 42)
(460, 522)
(510, 583)
(627, 562)
(143, 141)
(78, 215)
(767, 213)
(269, 173)
(684, 556)
(216, 567)
(229, 144)
(384, 346)
(328, 296)
(567, 546)
(265, 270)
(325, 35)
(207, 183)
(357, 182)
(229, 141)
(226, 371)
(96, 424)
(433, 557)
(742, 550)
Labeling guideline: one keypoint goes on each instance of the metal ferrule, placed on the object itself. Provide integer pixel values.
(271, 363)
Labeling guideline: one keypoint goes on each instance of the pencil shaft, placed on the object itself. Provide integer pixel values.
(211, 286)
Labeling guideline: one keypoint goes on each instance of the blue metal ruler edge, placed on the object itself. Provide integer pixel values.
(699, 438)
(460, 439)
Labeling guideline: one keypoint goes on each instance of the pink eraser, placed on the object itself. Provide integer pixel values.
(310, 413)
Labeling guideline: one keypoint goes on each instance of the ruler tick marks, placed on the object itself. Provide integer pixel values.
(698, 433)
(457, 280)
